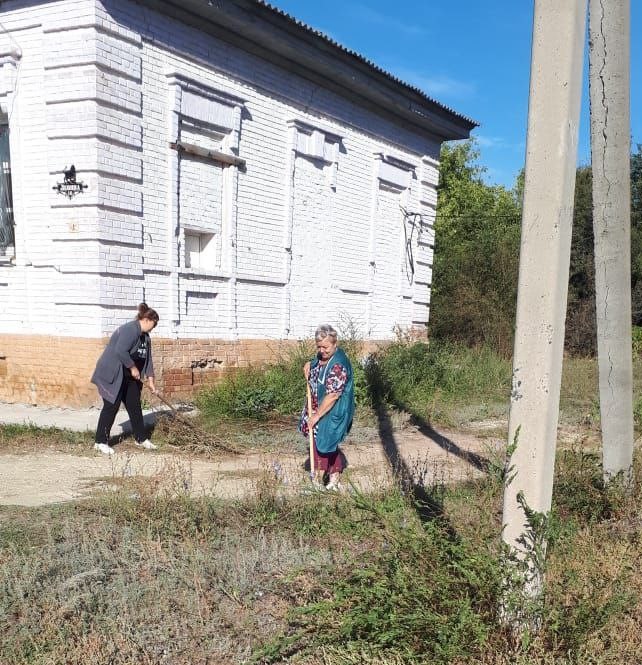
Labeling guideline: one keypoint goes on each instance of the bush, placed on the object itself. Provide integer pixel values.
(255, 393)
(420, 378)
(414, 376)
(421, 595)
(273, 391)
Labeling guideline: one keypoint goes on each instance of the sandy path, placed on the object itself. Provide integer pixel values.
(49, 476)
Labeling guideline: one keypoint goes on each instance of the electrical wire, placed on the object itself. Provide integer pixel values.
(416, 222)
(4, 30)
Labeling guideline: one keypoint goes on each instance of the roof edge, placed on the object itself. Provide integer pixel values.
(300, 25)
(313, 55)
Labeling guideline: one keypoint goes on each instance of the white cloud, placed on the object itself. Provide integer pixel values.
(374, 17)
(490, 141)
(436, 86)
(498, 142)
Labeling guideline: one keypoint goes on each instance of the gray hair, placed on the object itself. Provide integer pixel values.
(324, 331)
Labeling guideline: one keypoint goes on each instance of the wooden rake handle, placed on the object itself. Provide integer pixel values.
(310, 428)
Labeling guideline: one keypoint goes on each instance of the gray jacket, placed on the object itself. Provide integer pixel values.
(110, 368)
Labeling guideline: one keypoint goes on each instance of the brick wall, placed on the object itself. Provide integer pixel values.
(36, 369)
(186, 366)
(56, 370)
(309, 231)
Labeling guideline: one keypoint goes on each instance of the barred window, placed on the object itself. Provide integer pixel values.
(6, 199)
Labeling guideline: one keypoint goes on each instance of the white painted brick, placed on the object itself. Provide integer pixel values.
(94, 91)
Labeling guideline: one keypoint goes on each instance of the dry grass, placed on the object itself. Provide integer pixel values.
(144, 574)
(189, 435)
(20, 439)
(147, 574)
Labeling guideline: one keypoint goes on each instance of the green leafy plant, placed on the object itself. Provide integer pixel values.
(421, 593)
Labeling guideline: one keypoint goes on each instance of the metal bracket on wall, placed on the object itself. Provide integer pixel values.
(212, 155)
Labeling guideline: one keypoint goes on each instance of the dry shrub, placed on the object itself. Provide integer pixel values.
(146, 579)
(191, 437)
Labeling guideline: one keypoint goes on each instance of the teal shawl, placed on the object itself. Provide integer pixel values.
(335, 425)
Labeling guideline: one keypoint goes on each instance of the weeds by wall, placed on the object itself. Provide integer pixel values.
(427, 380)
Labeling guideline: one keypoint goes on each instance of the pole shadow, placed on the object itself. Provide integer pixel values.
(428, 494)
(477, 461)
(428, 500)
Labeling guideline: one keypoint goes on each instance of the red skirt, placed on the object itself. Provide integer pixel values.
(333, 462)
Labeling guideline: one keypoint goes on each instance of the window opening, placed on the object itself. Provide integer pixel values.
(199, 250)
(7, 238)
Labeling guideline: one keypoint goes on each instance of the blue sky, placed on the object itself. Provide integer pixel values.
(472, 56)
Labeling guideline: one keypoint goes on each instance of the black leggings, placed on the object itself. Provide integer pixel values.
(129, 394)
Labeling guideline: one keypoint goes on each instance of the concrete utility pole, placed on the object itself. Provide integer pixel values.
(609, 78)
(551, 153)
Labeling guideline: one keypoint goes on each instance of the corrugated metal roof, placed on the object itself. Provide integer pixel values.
(321, 35)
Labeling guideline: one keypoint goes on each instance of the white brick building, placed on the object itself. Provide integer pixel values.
(246, 177)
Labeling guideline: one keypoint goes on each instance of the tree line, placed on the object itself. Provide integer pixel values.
(477, 232)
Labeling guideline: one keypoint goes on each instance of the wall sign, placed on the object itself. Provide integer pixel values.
(69, 186)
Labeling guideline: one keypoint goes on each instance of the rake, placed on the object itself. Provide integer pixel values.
(202, 437)
(310, 428)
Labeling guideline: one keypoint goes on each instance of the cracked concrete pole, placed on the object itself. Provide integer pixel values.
(609, 81)
(551, 153)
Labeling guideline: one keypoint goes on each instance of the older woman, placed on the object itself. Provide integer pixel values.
(330, 379)
(119, 374)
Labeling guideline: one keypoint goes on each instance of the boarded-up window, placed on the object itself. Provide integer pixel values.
(200, 197)
(311, 244)
(387, 277)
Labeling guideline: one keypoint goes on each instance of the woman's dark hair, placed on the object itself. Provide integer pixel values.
(148, 313)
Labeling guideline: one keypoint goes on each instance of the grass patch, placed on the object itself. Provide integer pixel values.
(19, 438)
(147, 575)
(440, 383)
(436, 381)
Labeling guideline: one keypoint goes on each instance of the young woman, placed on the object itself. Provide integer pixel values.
(119, 374)
(331, 384)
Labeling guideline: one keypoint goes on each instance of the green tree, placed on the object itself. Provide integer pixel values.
(476, 257)
(581, 336)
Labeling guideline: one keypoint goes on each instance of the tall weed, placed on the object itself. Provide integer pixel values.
(427, 380)
(259, 393)
(419, 594)
(275, 390)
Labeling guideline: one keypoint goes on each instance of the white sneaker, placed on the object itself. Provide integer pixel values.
(334, 485)
(104, 448)
(147, 444)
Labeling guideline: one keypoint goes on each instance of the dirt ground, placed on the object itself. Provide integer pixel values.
(53, 475)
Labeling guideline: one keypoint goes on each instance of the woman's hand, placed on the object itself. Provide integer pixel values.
(306, 370)
(325, 407)
(151, 384)
(135, 372)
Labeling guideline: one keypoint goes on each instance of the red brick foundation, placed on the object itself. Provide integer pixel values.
(55, 371)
